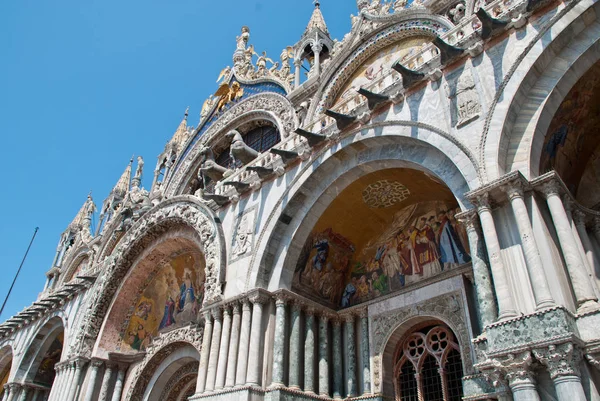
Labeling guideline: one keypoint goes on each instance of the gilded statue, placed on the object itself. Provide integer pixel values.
(227, 94)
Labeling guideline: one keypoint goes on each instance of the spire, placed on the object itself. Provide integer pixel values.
(122, 186)
(85, 213)
(316, 20)
(181, 133)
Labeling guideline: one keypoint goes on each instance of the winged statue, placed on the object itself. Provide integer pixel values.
(226, 71)
(227, 94)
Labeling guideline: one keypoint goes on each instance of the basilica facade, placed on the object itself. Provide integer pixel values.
(411, 212)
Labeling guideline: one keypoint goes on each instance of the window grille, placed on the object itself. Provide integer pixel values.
(428, 366)
(260, 139)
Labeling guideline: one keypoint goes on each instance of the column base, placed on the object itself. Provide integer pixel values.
(545, 305)
(588, 306)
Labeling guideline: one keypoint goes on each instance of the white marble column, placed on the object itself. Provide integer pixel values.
(119, 384)
(506, 304)
(13, 391)
(337, 358)
(535, 269)
(580, 280)
(562, 362)
(520, 377)
(295, 346)
(57, 378)
(324, 356)
(5, 393)
(254, 375)
(279, 340)
(586, 242)
(242, 363)
(309, 350)
(486, 301)
(351, 388)
(297, 71)
(63, 391)
(24, 393)
(365, 353)
(74, 386)
(316, 48)
(225, 335)
(211, 373)
(204, 353)
(106, 382)
(95, 365)
(234, 343)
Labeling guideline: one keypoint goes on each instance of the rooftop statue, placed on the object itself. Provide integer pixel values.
(227, 94)
(239, 150)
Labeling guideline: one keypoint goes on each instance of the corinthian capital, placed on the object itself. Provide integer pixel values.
(550, 188)
(513, 190)
(516, 369)
(561, 360)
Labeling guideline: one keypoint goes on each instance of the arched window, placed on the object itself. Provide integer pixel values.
(429, 366)
(260, 139)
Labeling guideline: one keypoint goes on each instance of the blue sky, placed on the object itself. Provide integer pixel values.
(84, 85)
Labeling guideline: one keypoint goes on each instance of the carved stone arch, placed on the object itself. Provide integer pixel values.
(390, 327)
(73, 261)
(269, 106)
(554, 59)
(110, 238)
(341, 69)
(179, 211)
(6, 358)
(156, 354)
(378, 146)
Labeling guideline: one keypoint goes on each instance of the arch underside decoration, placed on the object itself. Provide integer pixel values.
(446, 308)
(504, 126)
(158, 350)
(267, 106)
(372, 148)
(177, 211)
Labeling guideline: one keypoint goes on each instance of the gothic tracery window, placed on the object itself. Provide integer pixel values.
(428, 366)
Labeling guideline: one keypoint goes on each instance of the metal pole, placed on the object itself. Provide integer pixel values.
(18, 271)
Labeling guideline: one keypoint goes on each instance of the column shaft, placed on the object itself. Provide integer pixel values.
(324, 356)
(254, 374)
(214, 351)
(279, 341)
(225, 333)
(234, 343)
(204, 353)
(366, 357)
(36, 395)
(54, 382)
(337, 359)
(569, 388)
(65, 385)
(119, 385)
(582, 286)
(75, 384)
(105, 382)
(535, 269)
(295, 346)
(89, 392)
(24, 393)
(351, 390)
(5, 393)
(309, 351)
(297, 70)
(586, 242)
(242, 363)
(503, 293)
(525, 391)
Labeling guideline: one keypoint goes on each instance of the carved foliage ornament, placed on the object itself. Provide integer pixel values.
(183, 210)
(561, 360)
(264, 105)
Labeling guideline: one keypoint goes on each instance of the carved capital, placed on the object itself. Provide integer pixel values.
(216, 314)
(482, 202)
(513, 190)
(516, 369)
(281, 299)
(236, 308)
(469, 219)
(561, 360)
(310, 311)
(324, 318)
(579, 217)
(551, 188)
(97, 363)
(349, 318)
(259, 298)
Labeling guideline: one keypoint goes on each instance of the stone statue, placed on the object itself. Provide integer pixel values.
(261, 64)
(239, 150)
(242, 40)
(399, 5)
(209, 169)
(140, 167)
(206, 107)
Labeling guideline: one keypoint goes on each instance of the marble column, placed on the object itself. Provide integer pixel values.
(365, 353)
(74, 386)
(506, 304)
(211, 373)
(234, 343)
(106, 382)
(596, 230)
(279, 340)
(13, 389)
(533, 260)
(297, 71)
(119, 384)
(580, 280)
(225, 335)
(337, 358)
(38, 394)
(204, 353)
(351, 389)
(5, 393)
(520, 378)
(309, 350)
(562, 362)
(24, 393)
(254, 375)
(63, 390)
(486, 301)
(57, 369)
(295, 346)
(242, 362)
(89, 392)
(316, 48)
(324, 356)
(588, 248)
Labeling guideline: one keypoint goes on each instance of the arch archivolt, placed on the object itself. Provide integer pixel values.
(174, 213)
(272, 107)
(413, 22)
(379, 146)
(74, 259)
(556, 49)
(160, 349)
(388, 329)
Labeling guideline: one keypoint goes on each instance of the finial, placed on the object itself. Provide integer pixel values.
(187, 111)
(90, 194)
(317, 4)
(131, 160)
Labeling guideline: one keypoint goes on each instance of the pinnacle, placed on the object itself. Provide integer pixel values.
(316, 20)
